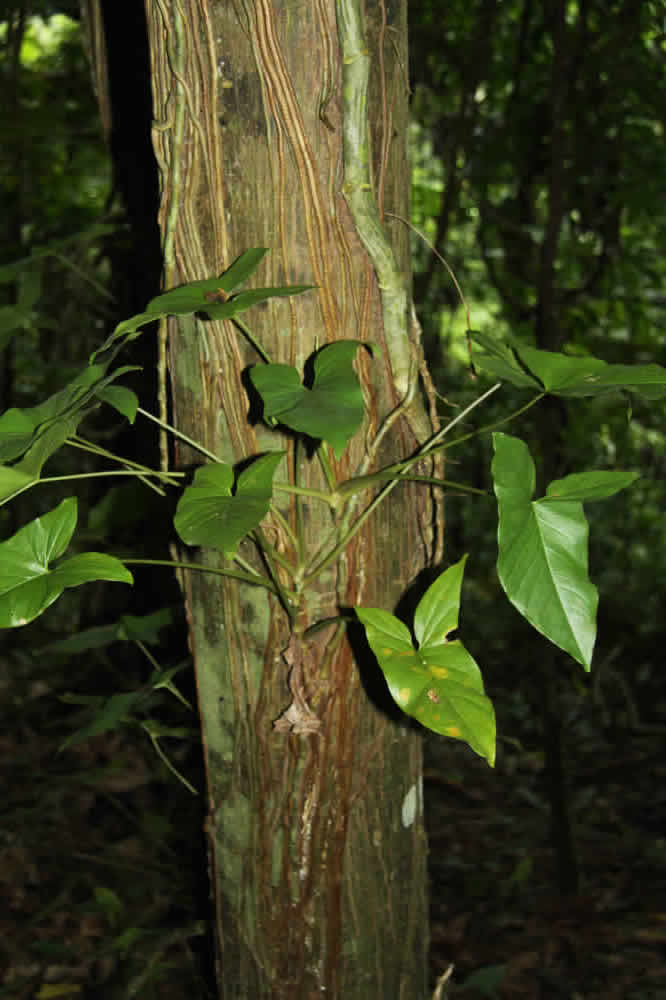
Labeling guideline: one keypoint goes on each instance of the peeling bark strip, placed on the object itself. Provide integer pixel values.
(319, 887)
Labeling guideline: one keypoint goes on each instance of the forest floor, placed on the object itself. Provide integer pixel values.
(103, 876)
(499, 911)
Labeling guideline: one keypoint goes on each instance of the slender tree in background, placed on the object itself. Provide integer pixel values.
(264, 138)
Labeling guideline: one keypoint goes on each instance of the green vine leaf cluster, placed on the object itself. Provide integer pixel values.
(542, 559)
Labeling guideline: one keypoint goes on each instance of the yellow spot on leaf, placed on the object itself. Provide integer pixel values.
(440, 672)
(453, 731)
(403, 695)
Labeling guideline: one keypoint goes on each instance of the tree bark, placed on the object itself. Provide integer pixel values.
(316, 842)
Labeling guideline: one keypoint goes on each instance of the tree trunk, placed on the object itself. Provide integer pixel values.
(316, 843)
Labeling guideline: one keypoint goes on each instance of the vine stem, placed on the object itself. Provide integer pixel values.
(176, 55)
(358, 190)
(141, 470)
(252, 339)
(109, 472)
(497, 423)
(426, 449)
(179, 434)
(252, 578)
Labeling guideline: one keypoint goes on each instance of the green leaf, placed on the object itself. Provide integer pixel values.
(542, 562)
(245, 300)
(331, 411)
(208, 514)
(128, 330)
(564, 375)
(122, 399)
(437, 612)
(208, 295)
(128, 628)
(191, 298)
(201, 296)
(37, 432)
(593, 485)
(27, 585)
(499, 359)
(438, 683)
(569, 376)
(186, 299)
(109, 714)
(243, 268)
(17, 428)
(12, 480)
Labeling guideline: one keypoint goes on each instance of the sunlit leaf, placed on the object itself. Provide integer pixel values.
(27, 584)
(12, 480)
(436, 682)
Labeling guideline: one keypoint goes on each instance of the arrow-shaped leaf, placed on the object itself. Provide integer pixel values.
(254, 296)
(332, 410)
(438, 683)
(592, 485)
(191, 298)
(564, 375)
(542, 560)
(208, 514)
(498, 359)
(212, 296)
(27, 585)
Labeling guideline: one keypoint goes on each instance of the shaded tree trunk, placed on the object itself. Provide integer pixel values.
(316, 844)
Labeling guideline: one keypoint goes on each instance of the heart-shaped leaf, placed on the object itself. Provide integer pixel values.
(208, 514)
(542, 560)
(27, 585)
(438, 683)
(332, 410)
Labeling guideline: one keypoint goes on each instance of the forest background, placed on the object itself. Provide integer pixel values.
(538, 172)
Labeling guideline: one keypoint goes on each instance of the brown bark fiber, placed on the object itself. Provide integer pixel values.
(318, 874)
